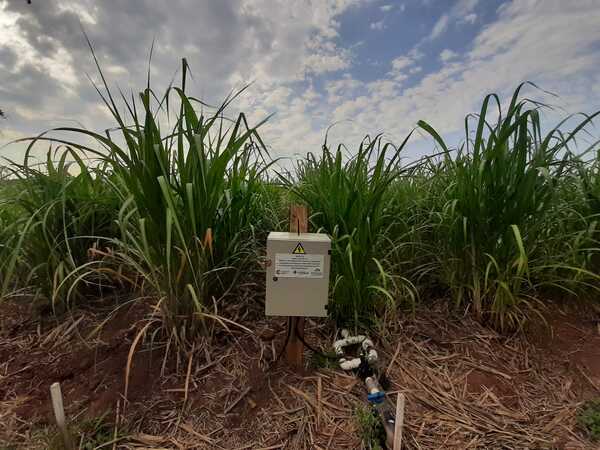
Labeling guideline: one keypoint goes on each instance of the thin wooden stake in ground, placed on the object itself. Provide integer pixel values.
(294, 351)
(400, 401)
(59, 414)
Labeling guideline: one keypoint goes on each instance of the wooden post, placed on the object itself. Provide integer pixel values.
(294, 351)
(400, 401)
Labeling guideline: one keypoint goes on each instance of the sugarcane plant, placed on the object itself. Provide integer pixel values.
(347, 195)
(502, 182)
(192, 196)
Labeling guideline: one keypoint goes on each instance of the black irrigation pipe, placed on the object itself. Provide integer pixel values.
(311, 348)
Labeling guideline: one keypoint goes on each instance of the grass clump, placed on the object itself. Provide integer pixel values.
(89, 434)
(68, 207)
(192, 197)
(347, 196)
(181, 196)
(588, 418)
(492, 228)
(589, 173)
(9, 227)
(370, 428)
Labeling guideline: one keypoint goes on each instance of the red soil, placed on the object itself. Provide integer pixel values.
(92, 372)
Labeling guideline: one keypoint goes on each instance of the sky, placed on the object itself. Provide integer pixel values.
(358, 66)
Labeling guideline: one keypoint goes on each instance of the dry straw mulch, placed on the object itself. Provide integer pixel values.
(466, 386)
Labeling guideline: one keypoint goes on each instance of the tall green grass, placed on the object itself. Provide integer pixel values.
(492, 229)
(415, 199)
(348, 197)
(589, 175)
(67, 209)
(180, 197)
(193, 197)
(9, 226)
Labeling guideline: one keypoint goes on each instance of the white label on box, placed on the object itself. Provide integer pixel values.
(299, 265)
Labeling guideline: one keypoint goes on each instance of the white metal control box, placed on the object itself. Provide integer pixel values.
(297, 274)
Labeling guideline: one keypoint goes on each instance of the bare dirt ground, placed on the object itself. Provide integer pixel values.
(466, 386)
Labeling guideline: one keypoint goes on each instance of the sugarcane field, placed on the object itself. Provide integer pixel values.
(269, 225)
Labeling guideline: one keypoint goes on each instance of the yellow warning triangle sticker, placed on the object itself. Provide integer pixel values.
(299, 250)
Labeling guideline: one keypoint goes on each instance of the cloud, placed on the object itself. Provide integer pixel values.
(464, 7)
(343, 88)
(404, 61)
(470, 18)
(301, 67)
(524, 43)
(404, 66)
(44, 57)
(447, 55)
(461, 12)
(440, 26)
(326, 59)
(379, 25)
(295, 39)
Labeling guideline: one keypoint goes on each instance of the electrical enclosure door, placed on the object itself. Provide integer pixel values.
(297, 274)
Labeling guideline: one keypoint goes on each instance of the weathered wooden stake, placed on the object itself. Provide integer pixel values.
(400, 401)
(294, 351)
(59, 414)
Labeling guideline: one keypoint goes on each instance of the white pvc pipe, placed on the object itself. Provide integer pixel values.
(59, 413)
